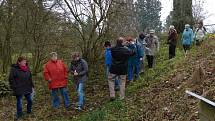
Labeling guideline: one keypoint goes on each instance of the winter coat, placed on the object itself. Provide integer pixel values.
(108, 56)
(132, 60)
(152, 45)
(120, 56)
(187, 36)
(57, 73)
(20, 80)
(81, 68)
(200, 33)
(172, 37)
(142, 44)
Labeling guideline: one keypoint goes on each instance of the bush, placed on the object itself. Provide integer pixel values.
(4, 86)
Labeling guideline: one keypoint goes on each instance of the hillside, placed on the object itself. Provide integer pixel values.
(158, 95)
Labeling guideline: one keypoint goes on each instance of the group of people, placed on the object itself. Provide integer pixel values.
(56, 74)
(124, 62)
(188, 36)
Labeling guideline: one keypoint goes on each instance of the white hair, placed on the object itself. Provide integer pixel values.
(171, 27)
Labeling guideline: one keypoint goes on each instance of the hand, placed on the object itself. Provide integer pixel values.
(141, 59)
(49, 81)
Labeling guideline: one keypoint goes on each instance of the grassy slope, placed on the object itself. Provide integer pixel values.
(158, 95)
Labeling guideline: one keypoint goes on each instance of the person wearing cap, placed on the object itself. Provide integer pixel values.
(187, 38)
(141, 41)
(108, 61)
(172, 41)
(152, 46)
(79, 71)
(56, 73)
(200, 33)
(134, 61)
(20, 80)
(119, 67)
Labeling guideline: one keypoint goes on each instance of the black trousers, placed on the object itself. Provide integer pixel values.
(150, 59)
(171, 51)
(186, 48)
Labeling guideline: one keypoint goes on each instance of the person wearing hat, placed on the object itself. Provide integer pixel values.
(172, 41)
(108, 61)
(56, 74)
(79, 71)
(200, 33)
(152, 46)
(187, 38)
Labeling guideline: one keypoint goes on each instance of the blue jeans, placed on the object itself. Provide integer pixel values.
(19, 104)
(117, 82)
(55, 98)
(133, 70)
(80, 90)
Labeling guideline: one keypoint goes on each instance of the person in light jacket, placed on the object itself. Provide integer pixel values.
(152, 46)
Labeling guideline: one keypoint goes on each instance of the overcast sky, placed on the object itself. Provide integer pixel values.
(208, 5)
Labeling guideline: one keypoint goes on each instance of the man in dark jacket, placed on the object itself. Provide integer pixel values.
(79, 70)
(172, 41)
(20, 80)
(119, 67)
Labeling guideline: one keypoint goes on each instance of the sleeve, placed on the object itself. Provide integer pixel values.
(11, 79)
(194, 35)
(85, 68)
(46, 73)
(182, 37)
(140, 51)
(71, 70)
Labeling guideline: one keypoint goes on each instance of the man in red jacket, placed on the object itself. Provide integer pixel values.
(55, 72)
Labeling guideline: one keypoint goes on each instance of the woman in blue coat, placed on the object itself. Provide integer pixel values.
(187, 38)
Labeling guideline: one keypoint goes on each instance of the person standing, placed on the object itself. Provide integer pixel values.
(172, 41)
(152, 46)
(187, 38)
(56, 73)
(108, 61)
(20, 80)
(119, 67)
(200, 33)
(141, 41)
(79, 70)
(134, 61)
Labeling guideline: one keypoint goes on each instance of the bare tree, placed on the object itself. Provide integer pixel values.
(199, 13)
(90, 18)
